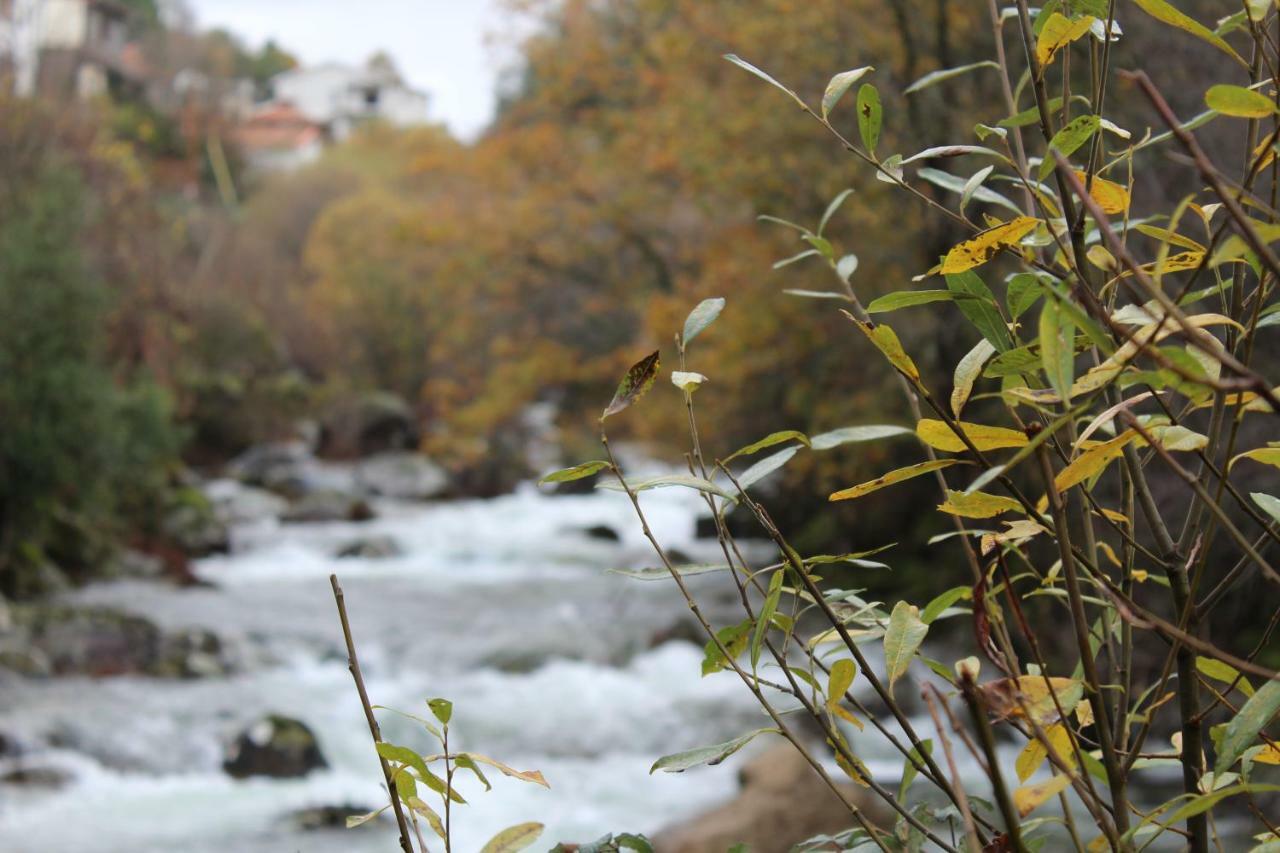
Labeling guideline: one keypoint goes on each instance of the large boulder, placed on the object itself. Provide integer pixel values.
(276, 746)
(97, 641)
(404, 475)
(283, 467)
(370, 548)
(368, 423)
(239, 503)
(782, 803)
(329, 505)
(190, 523)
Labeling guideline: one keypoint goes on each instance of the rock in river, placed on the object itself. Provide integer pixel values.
(276, 746)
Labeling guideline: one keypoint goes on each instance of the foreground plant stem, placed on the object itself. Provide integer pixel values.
(353, 663)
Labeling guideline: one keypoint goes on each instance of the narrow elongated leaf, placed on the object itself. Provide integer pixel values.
(840, 84)
(968, 370)
(765, 617)
(682, 761)
(902, 638)
(1068, 140)
(359, 820)
(658, 573)
(971, 185)
(944, 74)
(853, 434)
(1242, 731)
(907, 299)
(688, 481)
(1024, 290)
(1224, 672)
(817, 294)
(769, 441)
(940, 603)
(1030, 797)
(886, 340)
(832, 207)
(980, 248)
(1239, 102)
(1165, 12)
(513, 838)
(889, 479)
(977, 303)
(950, 182)
(703, 315)
(633, 386)
(869, 116)
(978, 504)
(533, 776)
(1265, 455)
(1110, 196)
(1092, 461)
(940, 436)
(734, 638)
(1029, 116)
(953, 151)
(765, 467)
(751, 69)
(1267, 503)
(577, 472)
(1057, 348)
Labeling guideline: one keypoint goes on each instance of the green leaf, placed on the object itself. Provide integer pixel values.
(432, 818)
(1224, 672)
(943, 74)
(972, 185)
(840, 679)
(907, 299)
(1243, 729)
(1068, 140)
(817, 294)
(840, 84)
(769, 441)
(681, 761)
(934, 608)
(1270, 505)
(577, 472)
(765, 617)
(1024, 290)
(1239, 102)
(734, 638)
(903, 637)
(1057, 348)
(633, 386)
(869, 116)
(853, 434)
(948, 181)
(967, 372)
(703, 315)
(442, 708)
(513, 838)
(909, 767)
(978, 304)
(765, 467)
(1029, 116)
(751, 69)
(1166, 13)
(658, 573)
(831, 211)
(688, 481)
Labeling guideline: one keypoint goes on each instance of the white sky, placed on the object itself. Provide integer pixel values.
(440, 46)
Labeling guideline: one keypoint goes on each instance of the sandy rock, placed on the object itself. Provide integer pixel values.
(782, 803)
(403, 475)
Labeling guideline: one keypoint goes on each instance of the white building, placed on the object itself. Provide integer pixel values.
(340, 97)
(64, 47)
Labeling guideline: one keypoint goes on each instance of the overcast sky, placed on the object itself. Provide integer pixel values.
(439, 45)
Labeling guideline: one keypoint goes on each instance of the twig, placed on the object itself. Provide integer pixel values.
(353, 663)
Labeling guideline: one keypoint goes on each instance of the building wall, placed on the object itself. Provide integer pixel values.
(62, 23)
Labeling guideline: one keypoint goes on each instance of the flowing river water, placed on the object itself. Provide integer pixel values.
(501, 605)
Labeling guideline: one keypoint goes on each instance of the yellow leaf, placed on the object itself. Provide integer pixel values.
(839, 680)
(978, 504)
(1084, 713)
(1270, 754)
(1058, 32)
(847, 715)
(1140, 575)
(1030, 797)
(886, 340)
(1175, 263)
(940, 436)
(1035, 752)
(889, 479)
(1164, 235)
(979, 249)
(1265, 455)
(1007, 697)
(1117, 517)
(1111, 554)
(1110, 196)
(1092, 461)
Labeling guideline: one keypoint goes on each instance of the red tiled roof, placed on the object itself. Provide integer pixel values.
(278, 126)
